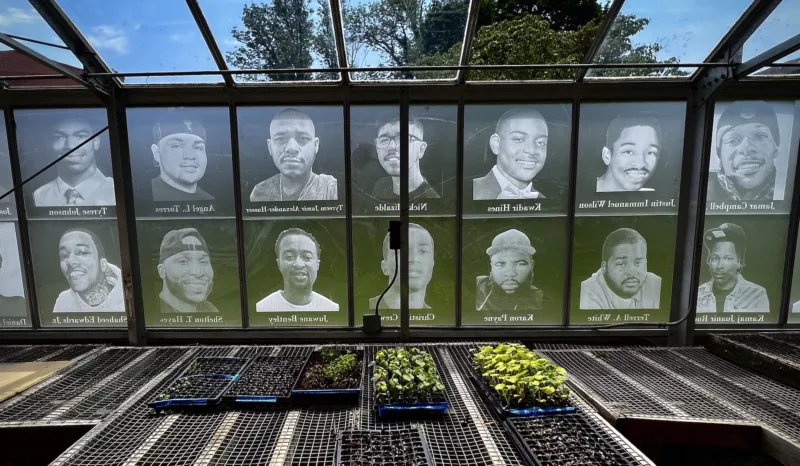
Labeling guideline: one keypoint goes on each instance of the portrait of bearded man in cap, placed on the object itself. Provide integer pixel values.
(728, 291)
(747, 142)
(186, 273)
(179, 152)
(509, 285)
(622, 282)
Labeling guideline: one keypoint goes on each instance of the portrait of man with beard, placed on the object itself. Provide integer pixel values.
(520, 144)
(387, 145)
(293, 145)
(420, 270)
(79, 181)
(179, 151)
(728, 291)
(622, 282)
(631, 151)
(186, 273)
(509, 285)
(298, 259)
(95, 285)
(747, 142)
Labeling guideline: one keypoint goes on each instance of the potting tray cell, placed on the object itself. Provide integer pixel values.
(571, 439)
(202, 383)
(226, 366)
(314, 382)
(396, 448)
(267, 378)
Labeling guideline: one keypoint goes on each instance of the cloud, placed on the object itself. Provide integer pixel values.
(175, 37)
(106, 37)
(14, 16)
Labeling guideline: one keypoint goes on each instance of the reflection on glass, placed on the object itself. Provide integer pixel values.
(509, 286)
(6, 182)
(12, 290)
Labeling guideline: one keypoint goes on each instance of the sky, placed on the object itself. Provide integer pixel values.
(160, 35)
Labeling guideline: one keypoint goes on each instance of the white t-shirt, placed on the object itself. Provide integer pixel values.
(276, 303)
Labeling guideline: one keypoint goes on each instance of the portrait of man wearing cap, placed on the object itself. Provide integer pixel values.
(293, 145)
(520, 144)
(298, 259)
(631, 151)
(186, 272)
(509, 285)
(728, 291)
(179, 152)
(387, 146)
(622, 281)
(79, 181)
(747, 142)
(420, 270)
(95, 285)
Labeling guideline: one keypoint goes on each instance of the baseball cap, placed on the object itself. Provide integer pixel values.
(727, 232)
(177, 123)
(748, 111)
(177, 241)
(511, 239)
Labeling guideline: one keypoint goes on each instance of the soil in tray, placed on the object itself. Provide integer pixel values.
(398, 448)
(199, 386)
(268, 376)
(325, 370)
(210, 365)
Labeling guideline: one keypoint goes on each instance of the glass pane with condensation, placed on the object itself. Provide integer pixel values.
(144, 36)
(782, 24)
(665, 31)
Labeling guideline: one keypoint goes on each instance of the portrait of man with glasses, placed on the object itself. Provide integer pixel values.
(387, 145)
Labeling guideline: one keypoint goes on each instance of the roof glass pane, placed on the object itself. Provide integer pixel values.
(18, 18)
(144, 36)
(665, 31)
(402, 33)
(769, 71)
(274, 35)
(782, 24)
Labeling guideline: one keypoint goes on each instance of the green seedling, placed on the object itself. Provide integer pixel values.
(405, 376)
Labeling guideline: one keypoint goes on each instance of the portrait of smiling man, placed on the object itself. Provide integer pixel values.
(179, 151)
(420, 270)
(520, 144)
(387, 146)
(95, 285)
(633, 144)
(509, 285)
(622, 282)
(728, 291)
(79, 181)
(293, 146)
(747, 142)
(298, 259)
(186, 273)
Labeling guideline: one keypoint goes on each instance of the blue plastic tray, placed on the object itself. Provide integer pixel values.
(532, 412)
(439, 407)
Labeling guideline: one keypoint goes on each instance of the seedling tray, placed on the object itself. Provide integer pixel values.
(404, 447)
(267, 379)
(493, 398)
(201, 384)
(436, 407)
(344, 394)
(566, 440)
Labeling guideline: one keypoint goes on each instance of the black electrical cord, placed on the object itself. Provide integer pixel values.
(396, 266)
(53, 163)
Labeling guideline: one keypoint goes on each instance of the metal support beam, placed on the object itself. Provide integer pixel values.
(469, 36)
(605, 28)
(728, 53)
(74, 40)
(53, 65)
(768, 57)
(338, 34)
(126, 219)
(211, 43)
(404, 312)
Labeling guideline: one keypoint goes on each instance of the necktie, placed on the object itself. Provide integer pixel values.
(73, 196)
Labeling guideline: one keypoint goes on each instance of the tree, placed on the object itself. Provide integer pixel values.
(275, 36)
(562, 15)
(443, 26)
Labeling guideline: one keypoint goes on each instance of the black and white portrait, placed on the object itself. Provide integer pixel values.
(179, 152)
(622, 281)
(509, 285)
(298, 256)
(12, 290)
(727, 290)
(6, 181)
(750, 154)
(420, 270)
(630, 153)
(82, 178)
(95, 284)
(186, 271)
